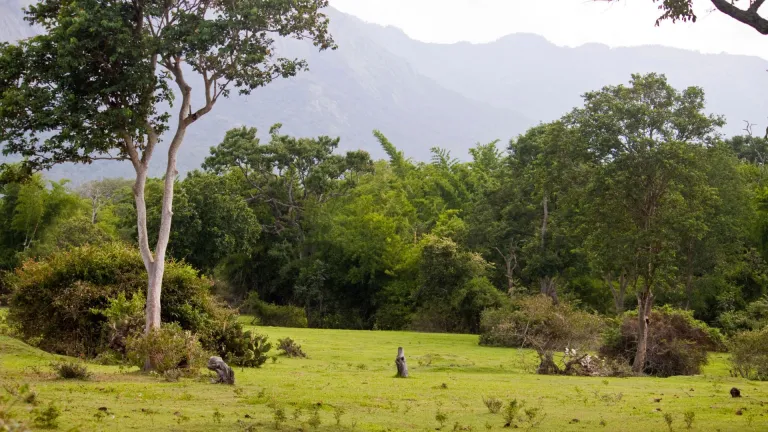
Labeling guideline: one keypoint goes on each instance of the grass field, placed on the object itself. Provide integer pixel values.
(355, 370)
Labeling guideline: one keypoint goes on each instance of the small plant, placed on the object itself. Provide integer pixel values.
(688, 418)
(274, 359)
(488, 425)
(493, 404)
(180, 417)
(511, 412)
(47, 418)
(172, 375)
(297, 413)
(603, 423)
(99, 416)
(533, 417)
(338, 411)
(314, 419)
(425, 361)
(441, 417)
(668, 419)
(279, 417)
(246, 427)
(362, 366)
(71, 370)
(217, 416)
(290, 348)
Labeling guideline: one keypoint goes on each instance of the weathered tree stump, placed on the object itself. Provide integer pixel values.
(735, 392)
(226, 374)
(402, 368)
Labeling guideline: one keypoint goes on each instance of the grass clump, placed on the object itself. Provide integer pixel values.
(48, 417)
(71, 370)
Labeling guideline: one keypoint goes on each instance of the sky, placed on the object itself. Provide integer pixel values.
(563, 22)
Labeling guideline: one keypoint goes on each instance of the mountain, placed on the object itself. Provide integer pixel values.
(544, 81)
(453, 96)
(347, 93)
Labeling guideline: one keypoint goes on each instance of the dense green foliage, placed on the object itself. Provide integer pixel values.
(74, 301)
(630, 200)
(274, 315)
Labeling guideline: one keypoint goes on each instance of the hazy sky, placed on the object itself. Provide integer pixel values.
(564, 22)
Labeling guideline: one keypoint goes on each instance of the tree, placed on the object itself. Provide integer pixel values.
(93, 86)
(683, 10)
(649, 185)
(102, 193)
(545, 163)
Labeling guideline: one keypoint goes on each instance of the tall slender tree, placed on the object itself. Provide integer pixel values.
(92, 87)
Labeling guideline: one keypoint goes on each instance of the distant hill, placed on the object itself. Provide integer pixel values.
(452, 96)
(544, 81)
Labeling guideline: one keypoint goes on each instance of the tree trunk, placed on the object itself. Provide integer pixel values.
(689, 277)
(402, 368)
(549, 287)
(510, 263)
(644, 306)
(547, 365)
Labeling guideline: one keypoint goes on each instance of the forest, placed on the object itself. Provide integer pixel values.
(633, 192)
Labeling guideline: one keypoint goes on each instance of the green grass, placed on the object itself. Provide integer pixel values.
(355, 370)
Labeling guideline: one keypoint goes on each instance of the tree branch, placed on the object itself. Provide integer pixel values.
(749, 17)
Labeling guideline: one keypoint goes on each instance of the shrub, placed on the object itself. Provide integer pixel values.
(677, 343)
(71, 370)
(89, 299)
(496, 329)
(749, 354)
(290, 348)
(274, 315)
(493, 404)
(511, 412)
(167, 348)
(548, 328)
(248, 349)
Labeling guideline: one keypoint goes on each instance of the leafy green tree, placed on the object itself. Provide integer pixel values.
(649, 189)
(93, 85)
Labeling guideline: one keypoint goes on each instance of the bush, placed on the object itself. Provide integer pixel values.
(167, 348)
(493, 404)
(71, 370)
(547, 328)
(87, 299)
(677, 343)
(274, 315)
(496, 329)
(290, 348)
(749, 354)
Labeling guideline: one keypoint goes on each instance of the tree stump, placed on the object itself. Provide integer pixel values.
(226, 374)
(402, 368)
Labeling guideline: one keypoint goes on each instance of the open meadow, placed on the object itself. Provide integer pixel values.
(350, 375)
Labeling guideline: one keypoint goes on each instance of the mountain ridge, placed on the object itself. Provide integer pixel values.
(424, 95)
